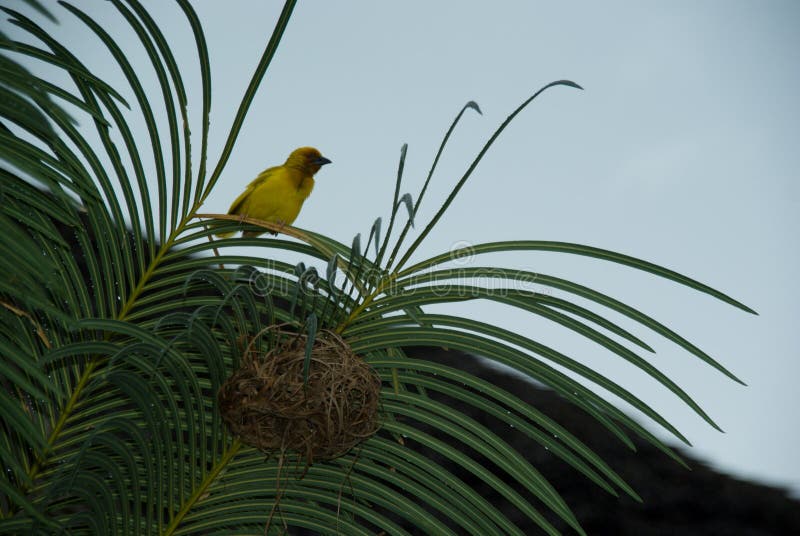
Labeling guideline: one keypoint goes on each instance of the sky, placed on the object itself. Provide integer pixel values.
(681, 150)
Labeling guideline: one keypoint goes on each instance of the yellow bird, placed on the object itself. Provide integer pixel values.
(278, 193)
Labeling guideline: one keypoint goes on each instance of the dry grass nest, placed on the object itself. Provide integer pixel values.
(269, 406)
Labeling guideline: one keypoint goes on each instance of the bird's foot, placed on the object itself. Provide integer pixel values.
(282, 224)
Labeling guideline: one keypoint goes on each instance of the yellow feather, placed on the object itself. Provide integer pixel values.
(277, 194)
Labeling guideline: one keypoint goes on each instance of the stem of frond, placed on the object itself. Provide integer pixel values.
(203, 487)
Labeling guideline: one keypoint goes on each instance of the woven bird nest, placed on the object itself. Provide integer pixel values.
(269, 406)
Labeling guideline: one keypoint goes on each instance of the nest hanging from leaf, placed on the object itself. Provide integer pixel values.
(269, 406)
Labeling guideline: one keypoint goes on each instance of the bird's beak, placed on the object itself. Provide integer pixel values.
(321, 161)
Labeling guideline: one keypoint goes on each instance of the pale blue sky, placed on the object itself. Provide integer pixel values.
(683, 150)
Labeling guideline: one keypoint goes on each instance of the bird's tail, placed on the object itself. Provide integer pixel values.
(226, 235)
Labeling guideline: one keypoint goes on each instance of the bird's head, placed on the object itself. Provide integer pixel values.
(308, 159)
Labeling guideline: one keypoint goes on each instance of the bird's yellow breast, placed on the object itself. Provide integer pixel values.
(276, 195)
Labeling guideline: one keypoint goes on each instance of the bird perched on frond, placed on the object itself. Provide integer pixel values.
(278, 193)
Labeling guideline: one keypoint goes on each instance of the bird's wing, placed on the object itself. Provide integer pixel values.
(255, 183)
